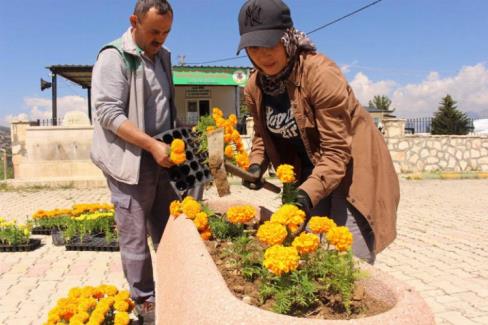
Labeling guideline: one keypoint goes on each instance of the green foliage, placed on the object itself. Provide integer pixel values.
(203, 123)
(381, 103)
(56, 222)
(247, 254)
(292, 292)
(222, 229)
(336, 273)
(13, 234)
(95, 223)
(449, 120)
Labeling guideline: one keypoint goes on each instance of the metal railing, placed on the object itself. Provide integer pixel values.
(424, 125)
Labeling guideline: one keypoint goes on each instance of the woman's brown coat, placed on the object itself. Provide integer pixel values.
(341, 140)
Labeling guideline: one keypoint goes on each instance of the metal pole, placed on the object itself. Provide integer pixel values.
(89, 104)
(55, 99)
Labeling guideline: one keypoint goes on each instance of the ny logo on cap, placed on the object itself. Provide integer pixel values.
(253, 15)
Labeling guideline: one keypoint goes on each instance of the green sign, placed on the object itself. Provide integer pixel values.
(210, 77)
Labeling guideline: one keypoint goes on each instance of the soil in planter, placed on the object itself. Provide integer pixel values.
(362, 304)
(91, 243)
(33, 244)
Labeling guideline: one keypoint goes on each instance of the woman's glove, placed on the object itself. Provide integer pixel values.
(304, 203)
(254, 169)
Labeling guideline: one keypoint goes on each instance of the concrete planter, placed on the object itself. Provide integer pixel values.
(191, 290)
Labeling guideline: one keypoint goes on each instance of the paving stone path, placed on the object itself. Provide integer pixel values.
(441, 250)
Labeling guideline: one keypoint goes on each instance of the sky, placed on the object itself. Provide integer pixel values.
(413, 51)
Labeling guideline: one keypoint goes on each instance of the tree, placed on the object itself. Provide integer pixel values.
(449, 120)
(381, 103)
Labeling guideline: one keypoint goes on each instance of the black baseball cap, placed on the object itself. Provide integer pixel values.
(262, 23)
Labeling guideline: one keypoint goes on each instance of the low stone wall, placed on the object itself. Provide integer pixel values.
(425, 152)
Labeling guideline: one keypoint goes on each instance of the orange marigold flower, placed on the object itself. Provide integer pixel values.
(320, 225)
(236, 136)
(229, 151)
(306, 243)
(240, 213)
(285, 173)
(219, 122)
(210, 128)
(340, 237)
(201, 221)
(242, 160)
(206, 234)
(227, 138)
(279, 259)
(177, 158)
(178, 146)
(175, 208)
(271, 233)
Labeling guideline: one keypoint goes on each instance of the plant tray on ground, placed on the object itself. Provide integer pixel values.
(41, 230)
(33, 244)
(91, 243)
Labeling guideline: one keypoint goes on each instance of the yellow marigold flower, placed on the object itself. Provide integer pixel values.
(175, 208)
(190, 207)
(321, 225)
(340, 237)
(122, 295)
(217, 112)
(242, 160)
(288, 214)
(109, 290)
(285, 173)
(178, 146)
(206, 234)
(229, 151)
(177, 158)
(82, 316)
(279, 259)
(76, 321)
(240, 213)
(201, 220)
(97, 317)
(109, 301)
(219, 122)
(271, 233)
(210, 128)
(306, 243)
(121, 318)
(121, 305)
(236, 136)
(233, 119)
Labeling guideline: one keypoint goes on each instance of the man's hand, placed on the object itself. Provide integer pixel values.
(254, 169)
(160, 152)
(304, 203)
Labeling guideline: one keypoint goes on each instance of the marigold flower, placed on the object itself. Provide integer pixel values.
(288, 214)
(233, 119)
(121, 318)
(122, 295)
(236, 136)
(121, 305)
(175, 208)
(320, 225)
(271, 233)
(285, 173)
(177, 158)
(219, 122)
(340, 237)
(240, 213)
(279, 259)
(306, 243)
(227, 138)
(242, 160)
(217, 112)
(210, 128)
(206, 234)
(178, 146)
(190, 207)
(201, 220)
(229, 151)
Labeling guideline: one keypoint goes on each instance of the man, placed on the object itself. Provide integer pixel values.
(133, 96)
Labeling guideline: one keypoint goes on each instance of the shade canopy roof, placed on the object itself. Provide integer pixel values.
(79, 74)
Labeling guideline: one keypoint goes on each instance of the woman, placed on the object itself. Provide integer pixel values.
(305, 114)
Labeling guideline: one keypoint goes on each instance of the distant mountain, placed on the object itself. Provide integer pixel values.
(4, 129)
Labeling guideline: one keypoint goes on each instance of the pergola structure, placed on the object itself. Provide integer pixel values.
(79, 74)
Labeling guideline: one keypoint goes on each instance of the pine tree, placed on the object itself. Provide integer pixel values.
(449, 120)
(381, 103)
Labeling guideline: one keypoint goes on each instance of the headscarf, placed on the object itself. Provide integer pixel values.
(295, 42)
